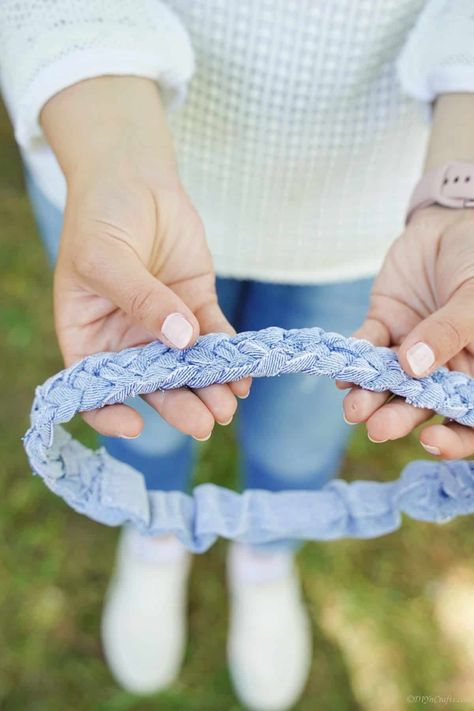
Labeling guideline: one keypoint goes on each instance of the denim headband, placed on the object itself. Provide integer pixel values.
(111, 492)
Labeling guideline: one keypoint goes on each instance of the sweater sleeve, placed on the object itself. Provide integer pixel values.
(438, 56)
(46, 45)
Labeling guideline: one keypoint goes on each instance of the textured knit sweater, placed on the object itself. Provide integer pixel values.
(300, 125)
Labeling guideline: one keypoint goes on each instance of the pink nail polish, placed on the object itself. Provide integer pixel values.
(177, 330)
(421, 358)
(435, 451)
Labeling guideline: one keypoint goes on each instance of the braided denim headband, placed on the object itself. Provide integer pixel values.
(111, 492)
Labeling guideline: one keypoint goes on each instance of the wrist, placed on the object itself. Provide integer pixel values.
(452, 134)
(112, 123)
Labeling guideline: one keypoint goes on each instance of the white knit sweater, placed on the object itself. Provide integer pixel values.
(304, 128)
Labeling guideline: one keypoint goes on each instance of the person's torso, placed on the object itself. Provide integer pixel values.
(293, 120)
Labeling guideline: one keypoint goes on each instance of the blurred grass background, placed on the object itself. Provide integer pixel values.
(393, 618)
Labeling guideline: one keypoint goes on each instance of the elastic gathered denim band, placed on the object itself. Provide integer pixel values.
(111, 492)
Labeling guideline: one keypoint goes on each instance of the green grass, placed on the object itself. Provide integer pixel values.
(373, 604)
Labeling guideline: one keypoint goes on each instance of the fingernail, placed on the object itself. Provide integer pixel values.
(244, 397)
(227, 422)
(376, 441)
(435, 451)
(348, 422)
(421, 358)
(177, 330)
(129, 436)
(203, 439)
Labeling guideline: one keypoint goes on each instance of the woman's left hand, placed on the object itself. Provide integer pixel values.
(422, 304)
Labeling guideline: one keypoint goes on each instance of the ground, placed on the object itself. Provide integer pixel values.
(393, 618)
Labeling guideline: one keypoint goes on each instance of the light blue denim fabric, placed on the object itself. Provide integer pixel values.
(290, 429)
(112, 492)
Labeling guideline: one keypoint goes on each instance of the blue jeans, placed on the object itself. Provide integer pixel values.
(290, 430)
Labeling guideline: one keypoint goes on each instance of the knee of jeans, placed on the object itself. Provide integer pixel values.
(297, 433)
(284, 462)
(157, 438)
(297, 456)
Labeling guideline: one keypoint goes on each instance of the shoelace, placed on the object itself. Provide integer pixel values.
(111, 492)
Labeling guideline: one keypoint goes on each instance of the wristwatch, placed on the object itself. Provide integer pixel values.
(449, 185)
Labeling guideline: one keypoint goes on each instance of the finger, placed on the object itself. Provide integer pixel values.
(210, 316)
(450, 441)
(344, 385)
(182, 409)
(463, 361)
(115, 421)
(395, 419)
(194, 412)
(219, 400)
(360, 404)
(438, 338)
(212, 320)
(118, 274)
(375, 332)
(241, 388)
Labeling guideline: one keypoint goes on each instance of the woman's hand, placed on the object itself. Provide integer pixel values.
(423, 305)
(133, 264)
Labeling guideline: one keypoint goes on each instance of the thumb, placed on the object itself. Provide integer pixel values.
(128, 284)
(441, 336)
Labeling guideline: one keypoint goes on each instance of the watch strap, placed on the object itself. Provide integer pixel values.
(449, 185)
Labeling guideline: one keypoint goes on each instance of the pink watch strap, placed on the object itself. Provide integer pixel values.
(450, 185)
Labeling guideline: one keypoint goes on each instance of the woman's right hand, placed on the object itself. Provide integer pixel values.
(133, 263)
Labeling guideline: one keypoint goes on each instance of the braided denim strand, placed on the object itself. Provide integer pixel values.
(99, 486)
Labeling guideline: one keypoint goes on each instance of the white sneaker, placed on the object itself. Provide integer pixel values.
(269, 646)
(144, 618)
